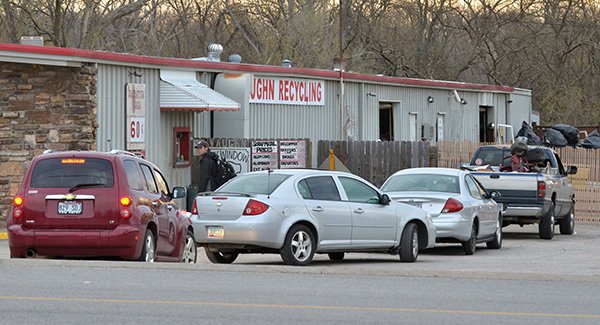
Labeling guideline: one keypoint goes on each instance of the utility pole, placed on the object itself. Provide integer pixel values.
(341, 38)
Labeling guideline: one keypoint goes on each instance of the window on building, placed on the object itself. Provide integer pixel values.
(182, 147)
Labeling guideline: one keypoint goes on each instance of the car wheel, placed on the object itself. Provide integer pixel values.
(470, 245)
(298, 248)
(409, 243)
(496, 243)
(190, 251)
(148, 248)
(546, 226)
(567, 224)
(221, 258)
(338, 256)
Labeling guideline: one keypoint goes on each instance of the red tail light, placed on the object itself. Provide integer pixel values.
(254, 208)
(18, 207)
(125, 202)
(194, 208)
(541, 190)
(18, 201)
(452, 205)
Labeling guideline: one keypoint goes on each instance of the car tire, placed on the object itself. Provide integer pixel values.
(546, 226)
(496, 243)
(221, 258)
(299, 246)
(148, 248)
(567, 224)
(338, 256)
(470, 245)
(409, 243)
(190, 250)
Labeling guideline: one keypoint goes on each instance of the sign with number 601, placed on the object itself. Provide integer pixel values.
(136, 126)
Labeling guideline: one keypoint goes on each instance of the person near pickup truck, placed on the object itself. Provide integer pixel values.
(518, 162)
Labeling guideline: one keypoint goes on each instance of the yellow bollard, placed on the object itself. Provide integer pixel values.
(331, 160)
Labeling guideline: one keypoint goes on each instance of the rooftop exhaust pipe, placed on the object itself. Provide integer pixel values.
(235, 58)
(214, 52)
(32, 40)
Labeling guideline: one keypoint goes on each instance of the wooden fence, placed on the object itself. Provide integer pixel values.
(586, 182)
(375, 161)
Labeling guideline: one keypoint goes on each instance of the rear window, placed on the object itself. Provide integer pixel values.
(492, 157)
(254, 183)
(422, 182)
(70, 172)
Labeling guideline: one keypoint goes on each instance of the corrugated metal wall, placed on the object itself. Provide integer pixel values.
(159, 125)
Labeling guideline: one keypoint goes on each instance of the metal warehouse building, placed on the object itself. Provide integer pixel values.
(158, 105)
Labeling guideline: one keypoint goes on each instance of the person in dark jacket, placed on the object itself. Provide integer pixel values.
(208, 167)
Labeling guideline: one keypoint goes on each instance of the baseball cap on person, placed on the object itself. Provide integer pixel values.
(201, 144)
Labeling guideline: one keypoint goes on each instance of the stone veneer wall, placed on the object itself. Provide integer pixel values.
(42, 107)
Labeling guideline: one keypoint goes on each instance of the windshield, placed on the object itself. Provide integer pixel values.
(72, 173)
(254, 183)
(422, 182)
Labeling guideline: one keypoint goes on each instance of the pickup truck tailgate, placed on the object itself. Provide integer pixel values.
(513, 187)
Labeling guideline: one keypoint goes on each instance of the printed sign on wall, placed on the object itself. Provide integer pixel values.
(239, 158)
(135, 106)
(292, 154)
(264, 155)
(270, 90)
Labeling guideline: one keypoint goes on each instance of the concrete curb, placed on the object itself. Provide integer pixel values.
(3, 236)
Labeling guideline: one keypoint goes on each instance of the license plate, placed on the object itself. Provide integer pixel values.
(215, 232)
(415, 204)
(70, 207)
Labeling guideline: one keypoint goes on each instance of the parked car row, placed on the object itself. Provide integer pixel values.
(118, 204)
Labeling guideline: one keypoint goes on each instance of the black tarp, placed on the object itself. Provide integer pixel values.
(592, 141)
(527, 131)
(554, 138)
(570, 133)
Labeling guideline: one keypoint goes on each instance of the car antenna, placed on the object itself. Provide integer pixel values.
(268, 183)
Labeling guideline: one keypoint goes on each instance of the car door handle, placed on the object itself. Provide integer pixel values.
(317, 209)
(359, 211)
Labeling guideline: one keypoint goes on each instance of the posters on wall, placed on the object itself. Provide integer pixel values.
(264, 155)
(135, 106)
(292, 154)
(272, 154)
(239, 158)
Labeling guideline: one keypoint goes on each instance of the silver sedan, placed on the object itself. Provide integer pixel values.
(461, 209)
(297, 213)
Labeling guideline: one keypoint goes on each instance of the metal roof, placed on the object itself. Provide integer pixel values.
(72, 57)
(181, 91)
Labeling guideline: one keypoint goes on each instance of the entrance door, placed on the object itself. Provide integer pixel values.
(386, 122)
(486, 130)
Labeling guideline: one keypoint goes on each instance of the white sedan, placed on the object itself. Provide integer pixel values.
(461, 209)
(297, 213)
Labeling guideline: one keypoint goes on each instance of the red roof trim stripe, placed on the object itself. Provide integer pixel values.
(242, 67)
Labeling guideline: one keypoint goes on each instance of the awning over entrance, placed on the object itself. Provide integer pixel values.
(181, 91)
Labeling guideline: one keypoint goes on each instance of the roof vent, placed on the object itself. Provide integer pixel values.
(32, 40)
(235, 58)
(286, 63)
(214, 52)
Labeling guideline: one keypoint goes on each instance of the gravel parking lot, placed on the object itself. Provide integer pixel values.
(523, 256)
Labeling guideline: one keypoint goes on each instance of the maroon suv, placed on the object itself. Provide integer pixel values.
(88, 203)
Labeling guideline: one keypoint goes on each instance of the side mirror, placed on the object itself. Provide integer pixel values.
(385, 200)
(571, 170)
(179, 192)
